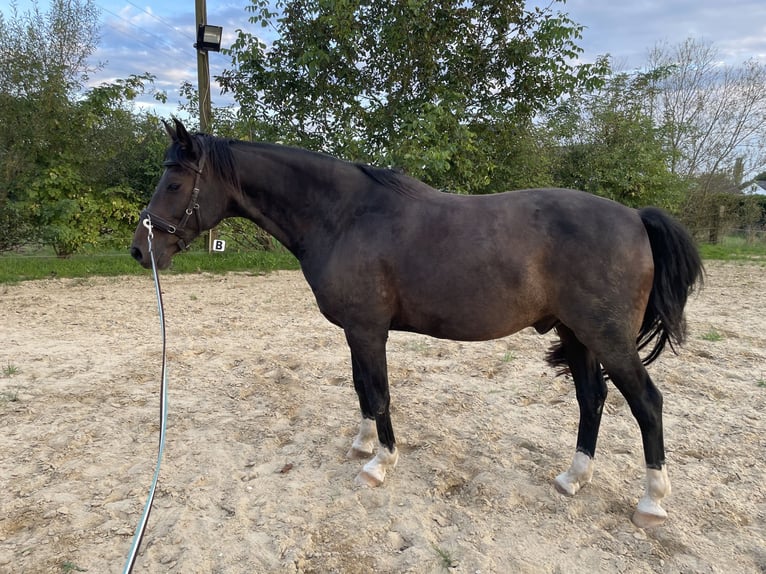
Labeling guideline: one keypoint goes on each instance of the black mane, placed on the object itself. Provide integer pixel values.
(221, 160)
(218, 157)
(394, 180)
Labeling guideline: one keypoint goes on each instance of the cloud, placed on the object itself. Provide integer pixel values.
(159, 40)
(139, 40)
(628, 31)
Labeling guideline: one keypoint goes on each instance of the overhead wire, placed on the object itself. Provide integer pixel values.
(172, 52)
(162, 45)
(162, 21)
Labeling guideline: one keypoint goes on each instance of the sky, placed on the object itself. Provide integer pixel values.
(157, 36)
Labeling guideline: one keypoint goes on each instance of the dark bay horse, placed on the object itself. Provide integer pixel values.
(383, 251)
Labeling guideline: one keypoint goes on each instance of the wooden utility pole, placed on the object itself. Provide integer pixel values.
(203, 93)
(203, 72)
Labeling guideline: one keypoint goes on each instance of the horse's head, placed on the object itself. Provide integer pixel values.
(182, 206)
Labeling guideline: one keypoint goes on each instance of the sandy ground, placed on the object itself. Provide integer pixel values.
(262, 411)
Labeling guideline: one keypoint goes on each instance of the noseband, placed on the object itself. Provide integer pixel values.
(179, 230)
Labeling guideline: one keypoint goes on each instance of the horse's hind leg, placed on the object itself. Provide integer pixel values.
(368, 360)
(645, 402)
(591, 393)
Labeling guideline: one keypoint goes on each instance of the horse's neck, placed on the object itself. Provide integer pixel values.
(298, 198)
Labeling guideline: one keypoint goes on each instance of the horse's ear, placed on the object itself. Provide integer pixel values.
(182, 136)
(171, 131)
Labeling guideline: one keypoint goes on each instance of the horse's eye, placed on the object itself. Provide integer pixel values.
(174, 186)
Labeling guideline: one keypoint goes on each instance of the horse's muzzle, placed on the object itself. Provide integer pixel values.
(143, 258)
(136, 254)
(143, 255)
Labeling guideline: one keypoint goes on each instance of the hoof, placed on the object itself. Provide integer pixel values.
(364, 478)
(579, 474)
(355, 452)
(563, 486)
(649, 513)
(646, 520)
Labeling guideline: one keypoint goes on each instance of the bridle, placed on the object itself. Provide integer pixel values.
(179, 230)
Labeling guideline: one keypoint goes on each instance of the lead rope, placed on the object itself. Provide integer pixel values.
(138, 536)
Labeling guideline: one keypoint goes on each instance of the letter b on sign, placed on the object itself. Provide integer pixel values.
(219, 245)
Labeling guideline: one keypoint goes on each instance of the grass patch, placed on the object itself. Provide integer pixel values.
(445, 557)
(16, 268)
(9, 370)
(734, 249)
(9, 396)
(712, 335)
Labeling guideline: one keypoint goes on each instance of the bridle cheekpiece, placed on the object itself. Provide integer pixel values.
(179, 230)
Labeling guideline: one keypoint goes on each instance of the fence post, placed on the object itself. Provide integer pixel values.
(715, 229)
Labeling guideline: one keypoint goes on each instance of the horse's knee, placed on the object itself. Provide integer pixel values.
(647, 409)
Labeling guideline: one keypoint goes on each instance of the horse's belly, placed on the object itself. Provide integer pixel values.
(471, 321)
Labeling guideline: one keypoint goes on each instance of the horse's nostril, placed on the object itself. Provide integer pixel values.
(135, 252)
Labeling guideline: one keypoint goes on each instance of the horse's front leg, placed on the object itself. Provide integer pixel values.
(365, 440)
(368, 360)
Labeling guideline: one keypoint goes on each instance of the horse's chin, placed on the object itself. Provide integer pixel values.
(163, 261)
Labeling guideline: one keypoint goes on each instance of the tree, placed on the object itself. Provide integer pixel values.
(713, 117)
(75, 164)
(609, 145)
(714, 114)
(44, 62)
(429, 86)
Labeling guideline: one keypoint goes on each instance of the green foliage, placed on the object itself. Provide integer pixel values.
(42, 68)
(712, 336)
(45, 55)
(714, 215)
(10, 370)
(60, 208)
(427, 86)
(15, 227)
(71, 215)
(611, 147)
(44, 59)
(75, 165)
(446, 560)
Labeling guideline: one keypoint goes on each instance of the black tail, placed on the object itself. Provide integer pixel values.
(677, 270)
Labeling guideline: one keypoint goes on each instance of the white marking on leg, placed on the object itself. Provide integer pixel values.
(374, 472)
(649, 513)
(364, 442)
(578, 475)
